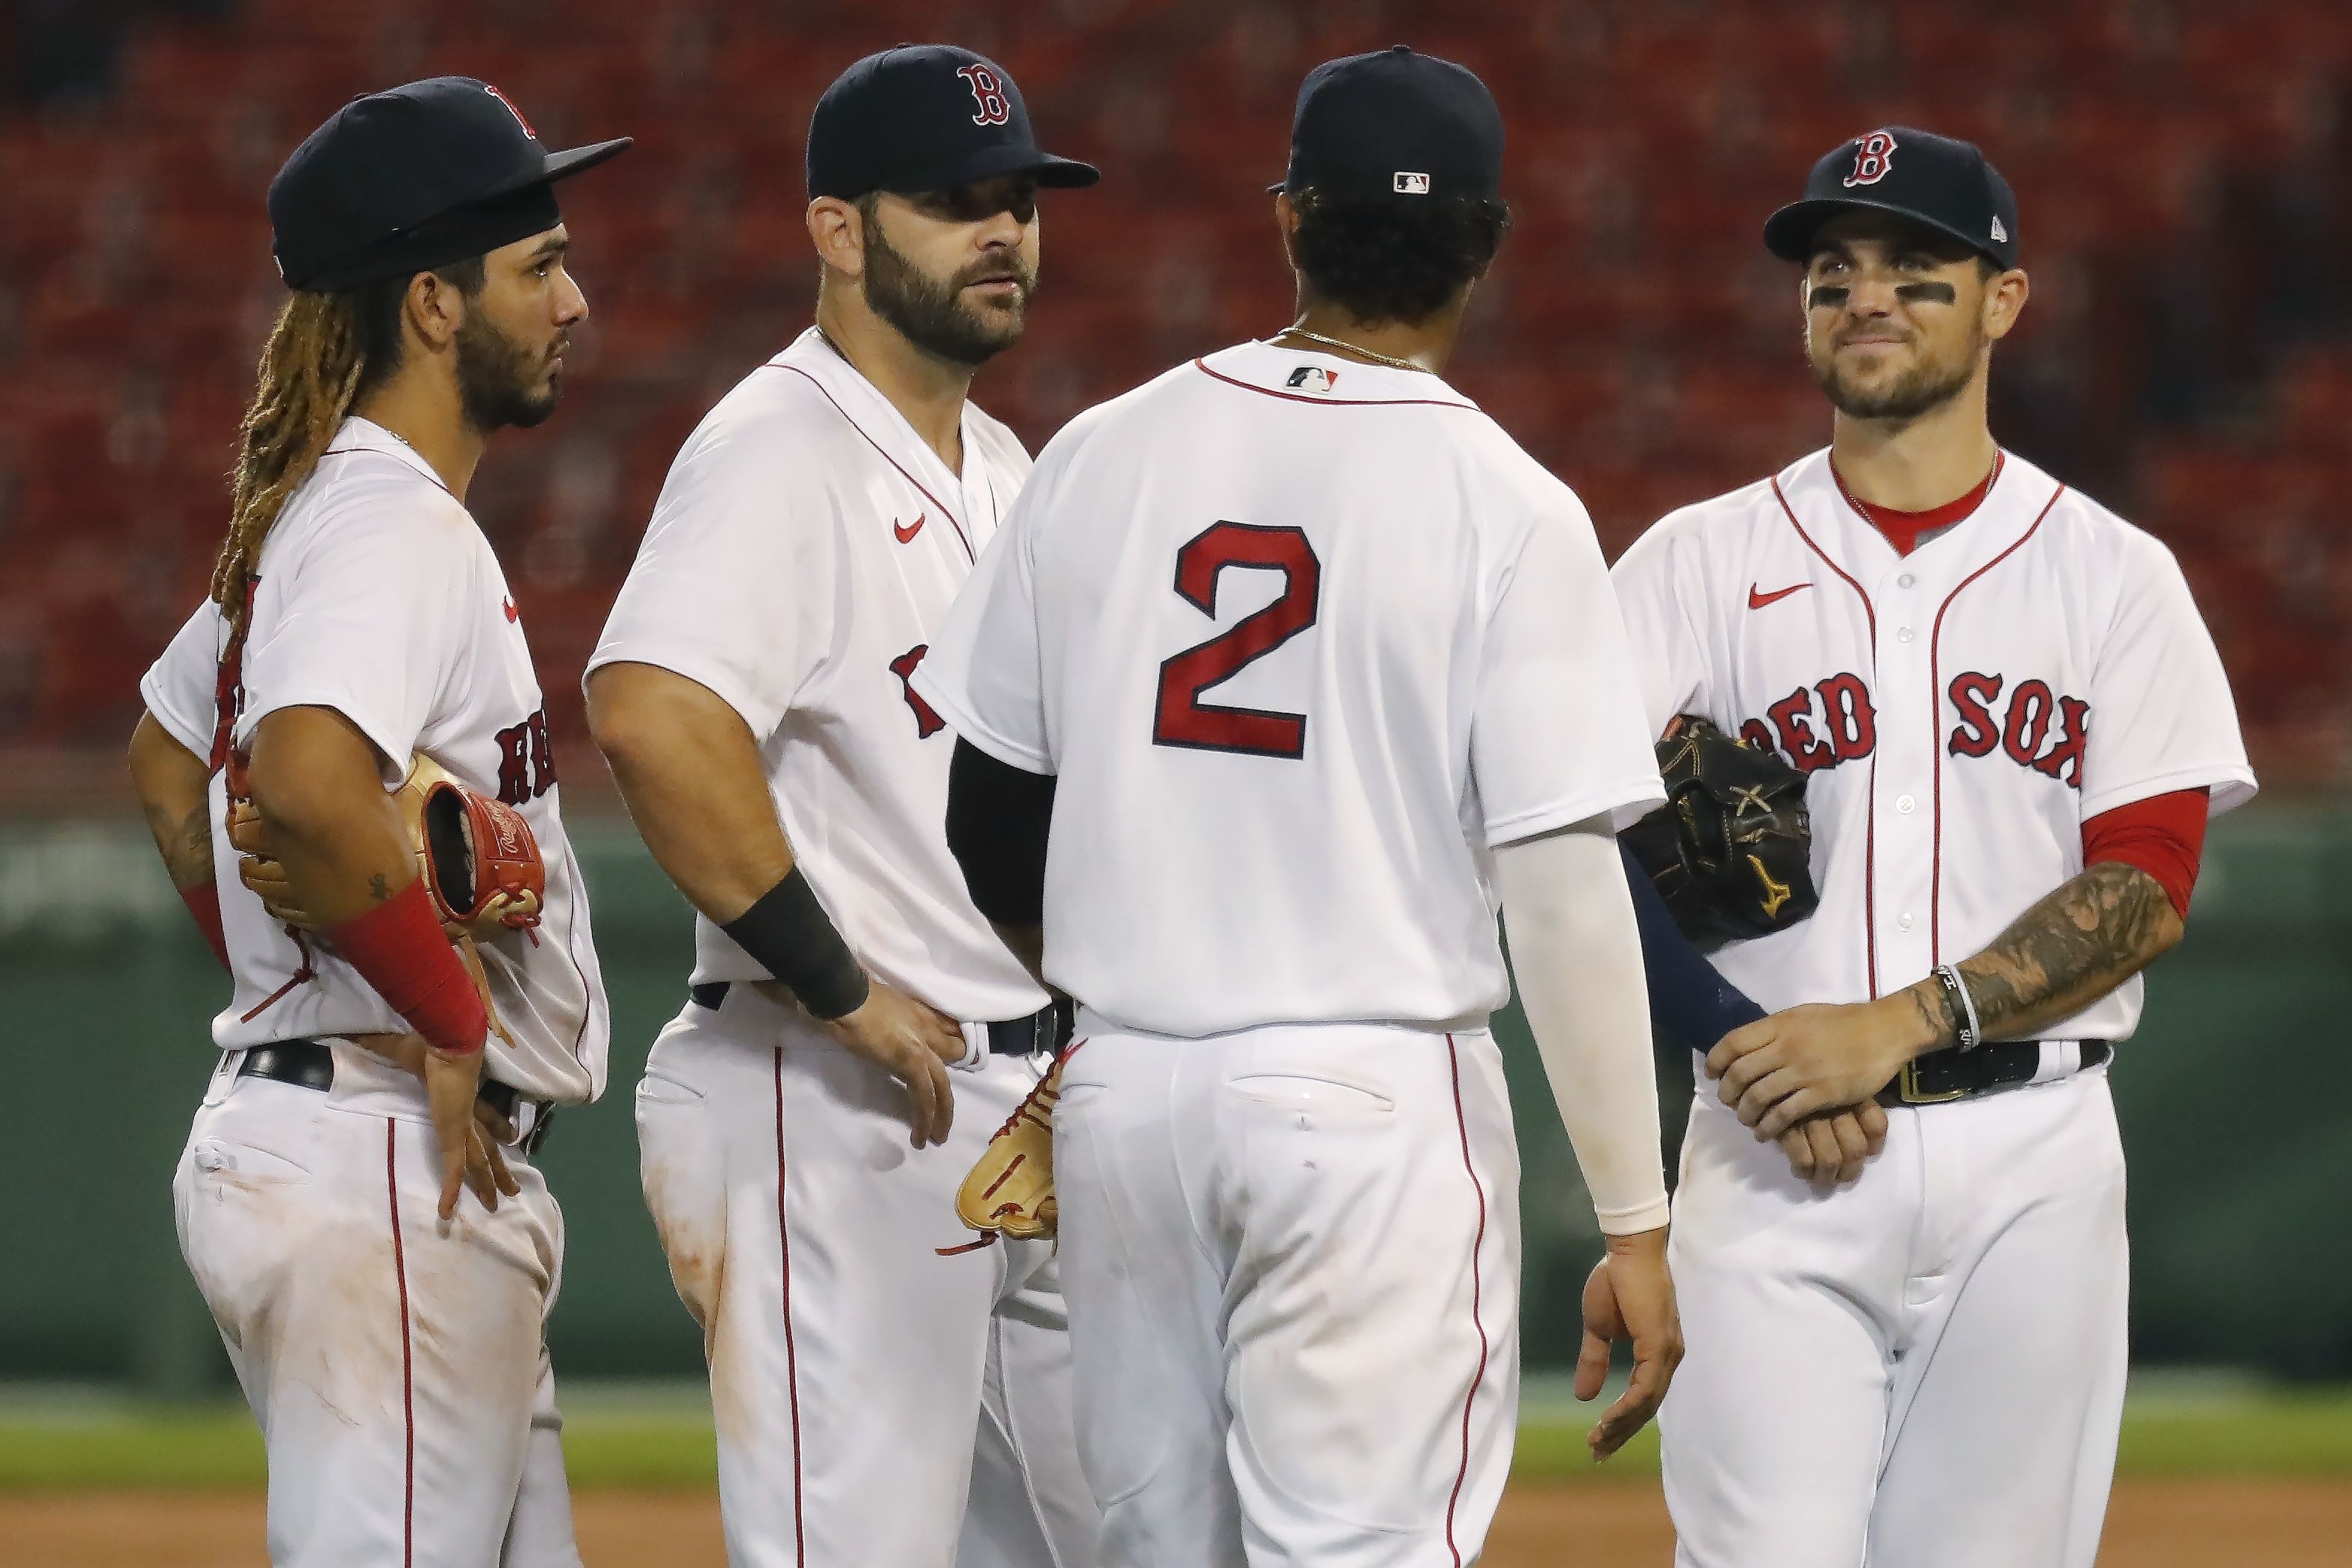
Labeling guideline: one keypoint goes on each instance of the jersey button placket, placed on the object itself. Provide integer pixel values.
(1905, 817)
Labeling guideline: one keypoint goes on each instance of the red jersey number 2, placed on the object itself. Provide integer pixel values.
(1181, 718)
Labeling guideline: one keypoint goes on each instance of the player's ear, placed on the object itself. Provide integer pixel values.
(837, 229)
(1285, 220)
(2004, 301)
(434, 308)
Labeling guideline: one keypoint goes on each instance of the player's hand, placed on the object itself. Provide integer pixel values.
(1830, 1151)
(260, 872)
(1629, 1296)
(451, 1084)
(913, 1042)
(1779, 1071)
(486, 1163)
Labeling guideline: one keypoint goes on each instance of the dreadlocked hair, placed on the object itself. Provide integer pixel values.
(326, 349)
(311, 370)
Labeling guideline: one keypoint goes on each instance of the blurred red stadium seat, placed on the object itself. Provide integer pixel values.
(1632, 334)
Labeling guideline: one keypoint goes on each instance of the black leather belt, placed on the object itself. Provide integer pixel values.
(1049, 1028)
(309, 1064)
(1941, 1076)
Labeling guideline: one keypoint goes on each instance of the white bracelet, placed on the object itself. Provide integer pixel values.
(1969, 1033)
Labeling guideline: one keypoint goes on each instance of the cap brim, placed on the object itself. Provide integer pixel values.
(1789, 233)
(572, 160)
(994, 163)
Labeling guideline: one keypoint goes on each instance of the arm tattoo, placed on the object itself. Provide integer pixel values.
(190, 856)
(377, 888)
(2079, 942)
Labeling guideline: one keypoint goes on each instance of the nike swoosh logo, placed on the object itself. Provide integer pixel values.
(907, 535)
(1756, 601)
(512, 614)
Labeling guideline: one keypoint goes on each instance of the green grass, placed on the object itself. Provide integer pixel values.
(660, 1438)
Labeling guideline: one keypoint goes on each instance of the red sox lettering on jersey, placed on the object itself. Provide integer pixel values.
(1959, 711)
(1833, 722)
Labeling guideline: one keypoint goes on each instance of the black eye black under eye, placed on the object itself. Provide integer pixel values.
(1927, 293)
(1826, 297)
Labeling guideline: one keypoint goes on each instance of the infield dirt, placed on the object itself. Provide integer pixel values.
(2156, 1523)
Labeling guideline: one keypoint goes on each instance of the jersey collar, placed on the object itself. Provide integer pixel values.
(1817, 506)
(357, 435)
(879, 421)
(1317, 375)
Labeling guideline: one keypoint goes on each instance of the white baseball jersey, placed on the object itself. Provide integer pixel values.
(1958, 711)
(803, 546)
(1301, 638)
(379, 597)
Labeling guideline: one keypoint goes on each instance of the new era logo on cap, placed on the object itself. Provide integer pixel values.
(1411, 185)
(1999, 232)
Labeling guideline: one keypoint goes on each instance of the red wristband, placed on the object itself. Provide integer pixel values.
(204, 903)
(399, 948)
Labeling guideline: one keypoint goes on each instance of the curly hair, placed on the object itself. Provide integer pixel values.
(1395, 261)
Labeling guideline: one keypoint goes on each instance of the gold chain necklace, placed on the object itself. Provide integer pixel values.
(1354, 349)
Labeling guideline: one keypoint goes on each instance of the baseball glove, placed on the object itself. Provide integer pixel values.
(481, 864)
(1731, 850)
(1010, 1191)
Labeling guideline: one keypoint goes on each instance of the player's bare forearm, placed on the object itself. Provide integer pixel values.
(2076, 944)
(173, 788)
(692, 776)
(317, 786)
(2079, 942)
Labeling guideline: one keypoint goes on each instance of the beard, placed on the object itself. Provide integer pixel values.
(933, 315)
(499, 381)
(1927, 385)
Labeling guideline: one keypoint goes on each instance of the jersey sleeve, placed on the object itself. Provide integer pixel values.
(736, 580)
(1558, 733)
(984, 673)
(370, 620)
(2162, 718)
(180, 688)
(1670, 656)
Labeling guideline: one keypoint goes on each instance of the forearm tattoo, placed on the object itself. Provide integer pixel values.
(2080, 941)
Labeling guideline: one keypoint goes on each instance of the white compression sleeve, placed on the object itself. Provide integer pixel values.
(1577, 955)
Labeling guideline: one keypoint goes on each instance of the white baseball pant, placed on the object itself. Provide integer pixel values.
(1291, 1259)
(863, 1385)
(399, 1373)
(1925, 1370)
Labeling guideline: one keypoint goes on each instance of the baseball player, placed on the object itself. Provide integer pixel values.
(361, 635)
(2014, 727)
(848, 1000)
(1284, 665)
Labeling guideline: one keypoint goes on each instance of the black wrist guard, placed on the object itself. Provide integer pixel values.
(787, 933)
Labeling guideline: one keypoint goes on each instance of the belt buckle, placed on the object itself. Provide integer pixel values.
(1906, 1084)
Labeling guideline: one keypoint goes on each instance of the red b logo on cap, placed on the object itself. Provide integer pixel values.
(987, 92)
(1872, 157)
(502, 98)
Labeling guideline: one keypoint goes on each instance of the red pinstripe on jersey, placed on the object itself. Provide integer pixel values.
(1870, 823)
(1936, 707)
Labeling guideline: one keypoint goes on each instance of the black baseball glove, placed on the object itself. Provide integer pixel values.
(1731, 850)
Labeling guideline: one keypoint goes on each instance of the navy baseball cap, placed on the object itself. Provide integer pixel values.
(1947, 185)
(401, 182)
(923, 117)
(1394, 125)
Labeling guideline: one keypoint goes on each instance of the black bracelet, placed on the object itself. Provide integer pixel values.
(787, 933)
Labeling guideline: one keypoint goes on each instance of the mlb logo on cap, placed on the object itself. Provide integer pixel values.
(1313, 378)
(1411, 185)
